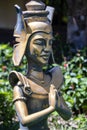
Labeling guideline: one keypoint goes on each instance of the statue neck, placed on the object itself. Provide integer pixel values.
(35, 70)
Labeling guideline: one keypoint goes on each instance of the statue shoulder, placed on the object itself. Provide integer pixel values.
(14, 78)
(57, 76)
(27, 85)
(19, 81)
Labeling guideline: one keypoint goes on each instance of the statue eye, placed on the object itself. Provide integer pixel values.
(40, 42)
(51, 42)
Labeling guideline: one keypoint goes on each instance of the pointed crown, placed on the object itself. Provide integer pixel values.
(38, 17)
(35, 11)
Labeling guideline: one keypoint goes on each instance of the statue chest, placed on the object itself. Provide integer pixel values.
(36, 104)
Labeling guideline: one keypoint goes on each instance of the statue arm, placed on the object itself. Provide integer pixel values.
(22, 112)
(62, 107)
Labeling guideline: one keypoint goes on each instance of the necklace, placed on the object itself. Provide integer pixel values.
(36, 79)
(45, 82)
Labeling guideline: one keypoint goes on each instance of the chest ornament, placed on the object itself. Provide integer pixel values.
(29, 87)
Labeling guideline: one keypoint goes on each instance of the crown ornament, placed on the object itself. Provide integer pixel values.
(36, 11)
(37, 17)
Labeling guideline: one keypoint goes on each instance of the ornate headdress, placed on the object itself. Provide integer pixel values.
(36, 18)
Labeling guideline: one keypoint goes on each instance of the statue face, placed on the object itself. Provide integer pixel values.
(40, 47)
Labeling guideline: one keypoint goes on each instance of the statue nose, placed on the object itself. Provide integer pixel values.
(47, 47)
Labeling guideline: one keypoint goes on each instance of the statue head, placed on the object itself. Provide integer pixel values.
(33, 33)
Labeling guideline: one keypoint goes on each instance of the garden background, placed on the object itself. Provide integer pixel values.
(70, 52)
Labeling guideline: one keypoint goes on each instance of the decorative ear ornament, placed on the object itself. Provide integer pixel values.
(20, 25)
(21, 37)
(36, 18)
(51, 12)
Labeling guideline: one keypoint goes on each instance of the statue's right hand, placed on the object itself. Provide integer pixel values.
(52, 96)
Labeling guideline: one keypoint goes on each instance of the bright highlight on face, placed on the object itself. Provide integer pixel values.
(40, 47)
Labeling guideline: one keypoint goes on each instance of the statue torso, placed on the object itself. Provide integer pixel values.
(38, 100)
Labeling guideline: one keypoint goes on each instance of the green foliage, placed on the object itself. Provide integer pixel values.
(75, 123)
(74, 89)
(5, 61)
(6, 110)
(6, 106)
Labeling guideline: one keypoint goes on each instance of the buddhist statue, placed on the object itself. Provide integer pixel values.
(37, 93)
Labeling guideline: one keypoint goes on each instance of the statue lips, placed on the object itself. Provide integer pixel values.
(45, 56)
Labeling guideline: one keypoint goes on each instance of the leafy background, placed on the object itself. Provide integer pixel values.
(74, 91)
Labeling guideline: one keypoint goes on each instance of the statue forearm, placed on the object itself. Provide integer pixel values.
(36, 117)
(22, 109)
(62, 108)
(29, 120)
(64, 113)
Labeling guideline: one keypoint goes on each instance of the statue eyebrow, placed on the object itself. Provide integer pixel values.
(38, 40)
(44, 39)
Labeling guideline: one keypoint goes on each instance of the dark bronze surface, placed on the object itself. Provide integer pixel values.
(37, 94)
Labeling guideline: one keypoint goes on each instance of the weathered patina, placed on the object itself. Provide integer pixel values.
(36, 94)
